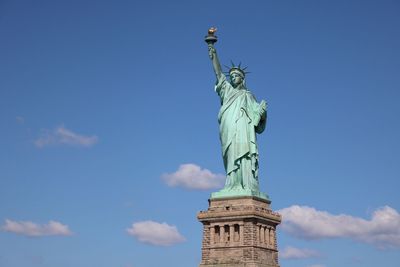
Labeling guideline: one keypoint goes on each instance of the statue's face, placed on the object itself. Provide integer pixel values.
(236, 79)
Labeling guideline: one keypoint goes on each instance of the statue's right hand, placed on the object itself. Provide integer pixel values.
(211, 51)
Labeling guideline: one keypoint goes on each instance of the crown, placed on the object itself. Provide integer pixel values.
(237, 68)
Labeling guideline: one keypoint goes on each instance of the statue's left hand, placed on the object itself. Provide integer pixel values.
(263, 107)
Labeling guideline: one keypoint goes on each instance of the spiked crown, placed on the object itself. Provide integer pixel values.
(238, 68)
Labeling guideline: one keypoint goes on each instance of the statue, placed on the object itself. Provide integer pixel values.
(240, 118)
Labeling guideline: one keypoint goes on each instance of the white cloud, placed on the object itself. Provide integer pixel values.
(297, 253)
(62, 135)
(154, 233)
(28, 228)
(192, 176)
(382, 230)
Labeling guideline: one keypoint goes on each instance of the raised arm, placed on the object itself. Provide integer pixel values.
(212, 52)
(211, 39)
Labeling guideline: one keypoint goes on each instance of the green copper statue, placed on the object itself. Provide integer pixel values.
(240, 118)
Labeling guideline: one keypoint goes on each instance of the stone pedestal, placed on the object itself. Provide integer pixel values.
(239, 231)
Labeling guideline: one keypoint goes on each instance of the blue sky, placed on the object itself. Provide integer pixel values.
(101, 102)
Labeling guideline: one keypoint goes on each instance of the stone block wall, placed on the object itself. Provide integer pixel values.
(239, 232)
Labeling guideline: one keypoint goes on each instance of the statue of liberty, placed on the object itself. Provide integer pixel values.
(240, 118)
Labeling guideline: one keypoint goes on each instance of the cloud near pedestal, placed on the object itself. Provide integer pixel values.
(28, 228)
(382, 230)
(154, 233)
(192, 176)
(298, 253)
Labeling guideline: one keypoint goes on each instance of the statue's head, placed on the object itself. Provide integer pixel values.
(237, 76)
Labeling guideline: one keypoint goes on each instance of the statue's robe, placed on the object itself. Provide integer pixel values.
(239, 120)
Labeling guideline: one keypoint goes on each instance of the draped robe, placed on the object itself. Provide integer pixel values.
(239, 120)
